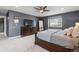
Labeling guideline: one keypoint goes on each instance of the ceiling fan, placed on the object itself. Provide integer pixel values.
(41, 9)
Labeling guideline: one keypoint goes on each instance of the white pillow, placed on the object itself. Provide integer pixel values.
(75, 32)
(69, 32)
(65, 31)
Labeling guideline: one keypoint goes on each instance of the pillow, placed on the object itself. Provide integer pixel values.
(75, 32)
(65, 31)
(69, 32)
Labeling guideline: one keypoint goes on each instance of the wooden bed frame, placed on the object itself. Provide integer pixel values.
(51, 47)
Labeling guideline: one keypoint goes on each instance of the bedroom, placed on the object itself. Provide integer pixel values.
(57, 19)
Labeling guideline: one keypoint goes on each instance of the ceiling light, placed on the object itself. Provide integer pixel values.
(41, 11)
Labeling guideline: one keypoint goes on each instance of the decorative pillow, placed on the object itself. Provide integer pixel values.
(75, 32)
(69, 32)
(65, 31)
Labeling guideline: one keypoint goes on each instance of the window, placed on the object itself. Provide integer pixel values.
(55, 22)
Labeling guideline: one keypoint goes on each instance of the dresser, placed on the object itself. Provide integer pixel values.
(25, 31)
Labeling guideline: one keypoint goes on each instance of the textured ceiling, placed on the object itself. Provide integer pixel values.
(30, 10)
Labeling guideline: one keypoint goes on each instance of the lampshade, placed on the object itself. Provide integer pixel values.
(77, 24)
(16, 21)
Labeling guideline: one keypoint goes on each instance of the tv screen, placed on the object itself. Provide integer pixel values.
(28, 22)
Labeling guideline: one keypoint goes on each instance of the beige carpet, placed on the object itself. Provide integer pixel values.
(36, 48)
(2, 37)
(18, 45)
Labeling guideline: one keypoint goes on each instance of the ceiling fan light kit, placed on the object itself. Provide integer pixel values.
(41, 9)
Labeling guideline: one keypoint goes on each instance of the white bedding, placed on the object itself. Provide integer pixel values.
(46, 35)
(62, 40)
(57, 37)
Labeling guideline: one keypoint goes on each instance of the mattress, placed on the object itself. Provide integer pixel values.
(60, 39)
(46, 35)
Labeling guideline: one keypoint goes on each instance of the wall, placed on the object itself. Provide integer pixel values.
(45, 23)
(2, 14)
(14, 30)
(68, 19)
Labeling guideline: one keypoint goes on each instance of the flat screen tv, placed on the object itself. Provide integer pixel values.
(28, 22)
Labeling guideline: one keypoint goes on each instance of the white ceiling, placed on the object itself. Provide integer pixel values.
(30, 10)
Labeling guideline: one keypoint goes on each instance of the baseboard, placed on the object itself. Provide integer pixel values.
(2, 33)
(15, 37)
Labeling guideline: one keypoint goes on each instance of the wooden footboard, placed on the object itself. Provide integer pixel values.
(50, 46)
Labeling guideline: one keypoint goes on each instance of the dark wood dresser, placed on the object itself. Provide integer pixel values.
(25, 31)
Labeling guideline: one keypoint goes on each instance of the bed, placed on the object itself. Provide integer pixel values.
(54, 40)
(46, 35)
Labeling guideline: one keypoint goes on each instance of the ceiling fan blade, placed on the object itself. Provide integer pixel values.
(41, 9)
(36, 8)
(44, 7)
(46, 10)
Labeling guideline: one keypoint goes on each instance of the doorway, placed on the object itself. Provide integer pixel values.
(41, 25)
(3, 25)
